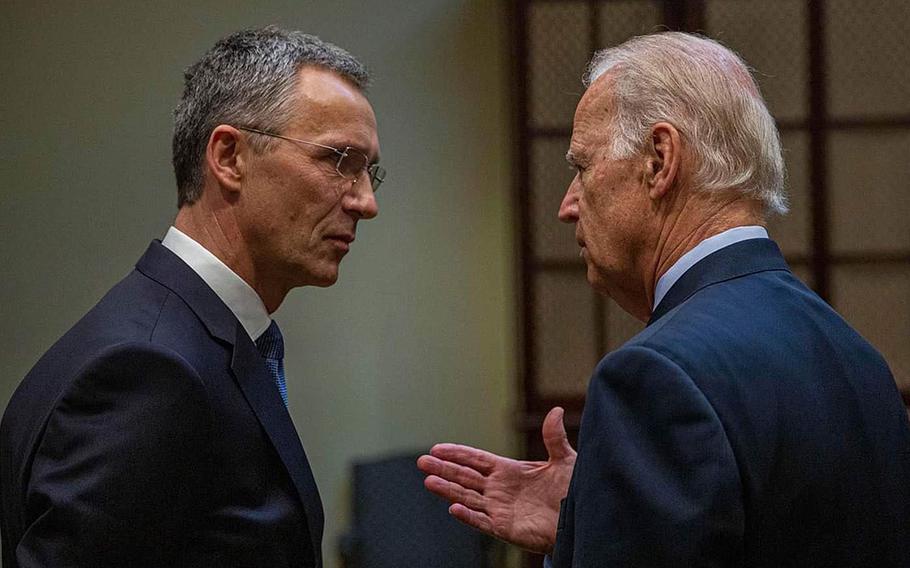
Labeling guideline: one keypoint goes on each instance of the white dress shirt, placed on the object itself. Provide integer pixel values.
(237, 295)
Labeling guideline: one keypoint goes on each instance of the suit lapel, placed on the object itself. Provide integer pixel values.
(739, 259)
(249, 370)
(166, 268)
(264, 399)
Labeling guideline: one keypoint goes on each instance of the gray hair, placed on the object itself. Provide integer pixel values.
(247, 79)
(707, 92)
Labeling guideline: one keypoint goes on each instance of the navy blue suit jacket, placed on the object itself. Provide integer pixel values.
(747, 425)
(151, 434)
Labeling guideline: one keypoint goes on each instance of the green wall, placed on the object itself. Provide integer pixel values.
(415, 344)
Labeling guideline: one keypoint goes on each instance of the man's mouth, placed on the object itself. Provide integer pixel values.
(342, 240)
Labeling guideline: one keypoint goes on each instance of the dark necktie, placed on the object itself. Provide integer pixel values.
(271, 346)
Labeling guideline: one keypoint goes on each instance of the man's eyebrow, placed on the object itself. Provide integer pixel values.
(360, 149)
(366, 153)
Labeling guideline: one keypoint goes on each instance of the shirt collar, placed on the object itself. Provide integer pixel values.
(701, 250)
(236, 294)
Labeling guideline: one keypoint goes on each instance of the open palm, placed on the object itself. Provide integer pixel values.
(516, 501)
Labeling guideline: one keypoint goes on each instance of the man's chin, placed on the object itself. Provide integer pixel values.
(597, 280)
(594, 282)
(591, 274)
(326, 280)
(321, 276)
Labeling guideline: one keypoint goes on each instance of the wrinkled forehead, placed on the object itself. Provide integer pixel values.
(595, 109)
(599, 93)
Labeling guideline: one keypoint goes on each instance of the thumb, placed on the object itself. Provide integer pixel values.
(554, 436)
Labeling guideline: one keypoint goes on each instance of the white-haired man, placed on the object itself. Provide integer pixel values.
(748, 424)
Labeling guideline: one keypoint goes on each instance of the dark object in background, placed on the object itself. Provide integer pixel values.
(398, 524)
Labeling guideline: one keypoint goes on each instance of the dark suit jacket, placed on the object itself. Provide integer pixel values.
(151, 434)
(747, 425)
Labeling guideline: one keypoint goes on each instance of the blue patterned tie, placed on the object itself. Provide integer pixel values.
(271, 346)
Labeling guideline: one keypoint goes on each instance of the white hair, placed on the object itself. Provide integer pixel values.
(707, 92)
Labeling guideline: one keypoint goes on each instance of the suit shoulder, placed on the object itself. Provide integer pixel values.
(762, 314)
(141, 310)
(115, 333)
(154, 373)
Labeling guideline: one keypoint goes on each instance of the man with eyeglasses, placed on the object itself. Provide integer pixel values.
(156, 431)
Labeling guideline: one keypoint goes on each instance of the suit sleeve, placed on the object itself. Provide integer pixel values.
(120, 463)
(656, 483)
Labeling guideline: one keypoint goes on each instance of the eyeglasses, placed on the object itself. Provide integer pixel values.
(351, 162)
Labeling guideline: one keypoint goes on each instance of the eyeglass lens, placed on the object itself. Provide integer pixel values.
(352, 163)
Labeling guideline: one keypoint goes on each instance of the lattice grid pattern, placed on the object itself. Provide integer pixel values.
(860, 232)
(771, 37)
(869, 58)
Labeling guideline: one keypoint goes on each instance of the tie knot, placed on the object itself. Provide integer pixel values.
(270, 343)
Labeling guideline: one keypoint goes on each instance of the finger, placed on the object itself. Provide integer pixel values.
(476, 519)
(480, 460)
(554, 435)
(462, 475)
(454, 493)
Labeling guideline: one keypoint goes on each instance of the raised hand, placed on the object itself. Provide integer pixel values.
(515, 501)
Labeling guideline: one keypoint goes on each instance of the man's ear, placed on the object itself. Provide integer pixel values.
(664, 159)
(225, 157)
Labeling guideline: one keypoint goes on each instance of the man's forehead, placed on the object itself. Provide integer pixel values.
(593, 112)
(322, 85)
(597, 99)
(333, 110)
(324, 92)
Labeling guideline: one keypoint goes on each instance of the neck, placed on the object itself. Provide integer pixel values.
(215, 227)
(699, 218)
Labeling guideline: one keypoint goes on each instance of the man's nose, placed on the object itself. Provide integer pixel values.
(568, 209)
(360, 199)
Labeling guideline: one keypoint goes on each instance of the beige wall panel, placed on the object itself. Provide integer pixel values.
(870, 191)
(771, 37)
(868, 57)
(876, 300)
(558, 36)
(564, 346)
(620, 20)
